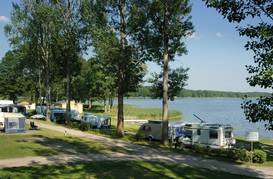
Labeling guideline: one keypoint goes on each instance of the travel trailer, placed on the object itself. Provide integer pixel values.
(189, 134)
(12, 122)
(207, 135)
(97, 121)
(151, 130)
(58, 115)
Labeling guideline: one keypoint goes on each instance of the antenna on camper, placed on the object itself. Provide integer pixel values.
(202, 121)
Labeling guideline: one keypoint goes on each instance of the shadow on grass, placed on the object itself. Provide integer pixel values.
(115, 170)
(69, 145)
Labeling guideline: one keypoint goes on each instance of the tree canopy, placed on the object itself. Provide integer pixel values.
(258, 16)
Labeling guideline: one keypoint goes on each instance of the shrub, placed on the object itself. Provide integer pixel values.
(200, 149)
(72, 124)
(84, 126)
(239, 154)
(259, 156)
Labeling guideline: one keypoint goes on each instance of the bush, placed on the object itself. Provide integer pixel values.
(239, 154)
(259, 156)
(72, 124)
(84, 126)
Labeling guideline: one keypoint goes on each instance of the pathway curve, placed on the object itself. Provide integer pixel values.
(137, 152)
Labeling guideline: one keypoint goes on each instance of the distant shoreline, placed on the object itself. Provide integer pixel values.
(146, 92)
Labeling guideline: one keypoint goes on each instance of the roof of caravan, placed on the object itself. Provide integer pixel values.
(11, 115)
(6, 102)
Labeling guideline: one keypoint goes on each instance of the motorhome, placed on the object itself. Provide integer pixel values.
(207, 135)
(189, 134)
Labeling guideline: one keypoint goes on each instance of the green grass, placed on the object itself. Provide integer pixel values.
(46, 143)
(116, 170)
(135, 112)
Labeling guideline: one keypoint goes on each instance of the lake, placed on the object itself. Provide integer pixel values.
(212, 110)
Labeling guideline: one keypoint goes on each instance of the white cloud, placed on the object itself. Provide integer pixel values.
(4, 19)
(219, 34)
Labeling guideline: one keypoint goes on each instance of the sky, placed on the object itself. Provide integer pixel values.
(216, 55)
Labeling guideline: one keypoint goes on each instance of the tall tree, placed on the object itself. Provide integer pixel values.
(259, 17)
(168, 22)
(12, 81)
(113, 43)
(176, 82)
(33, 23)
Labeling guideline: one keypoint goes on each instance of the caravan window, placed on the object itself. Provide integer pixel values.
(213, 134)
(227, 134)
(198, 132)
(146, 128)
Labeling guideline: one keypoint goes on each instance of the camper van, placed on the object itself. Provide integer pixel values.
(58, 115)
(189, 134)
(207, 135)
(12, 122)
(97, 121)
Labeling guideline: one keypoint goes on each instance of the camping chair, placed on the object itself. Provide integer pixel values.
(33, 126)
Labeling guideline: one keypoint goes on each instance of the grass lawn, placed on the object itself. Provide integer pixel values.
(135, 112)
(116, 169)
(46, 143)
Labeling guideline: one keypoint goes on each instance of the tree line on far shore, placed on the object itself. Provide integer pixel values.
(146, 92)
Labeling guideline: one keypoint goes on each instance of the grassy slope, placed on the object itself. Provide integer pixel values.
(135, 112)
(118, 169)
(47, 142)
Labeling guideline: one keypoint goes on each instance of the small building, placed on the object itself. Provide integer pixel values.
(28, 104)
(77, 106)
(12, 122)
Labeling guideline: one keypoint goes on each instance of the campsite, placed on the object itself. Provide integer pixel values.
(136, 89)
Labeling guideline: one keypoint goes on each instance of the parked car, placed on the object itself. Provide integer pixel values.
(97, 121)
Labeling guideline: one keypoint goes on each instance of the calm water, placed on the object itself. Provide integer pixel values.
(212, 110)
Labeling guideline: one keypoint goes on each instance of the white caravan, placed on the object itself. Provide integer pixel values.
(207, 135)
(12, 122)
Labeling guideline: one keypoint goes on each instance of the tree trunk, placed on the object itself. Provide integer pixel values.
(120, 121)
(165, 80)
(89, 103)
(104, 104)
(120, 125)
(47, 86)
(68, 78)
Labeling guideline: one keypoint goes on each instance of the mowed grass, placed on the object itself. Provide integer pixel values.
(47, 143)
(116, 170)
(135, 112)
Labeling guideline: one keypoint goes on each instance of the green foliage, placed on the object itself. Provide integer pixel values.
(12, 80)
(176, 81)
(146, 91)
(235, 154)
(84, 126)
(259, 17)
(259, 156)
(48, 34)
(176, 14)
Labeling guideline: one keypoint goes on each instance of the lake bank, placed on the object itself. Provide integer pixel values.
(212, 110)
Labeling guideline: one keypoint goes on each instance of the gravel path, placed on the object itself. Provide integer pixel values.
(137, 152)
